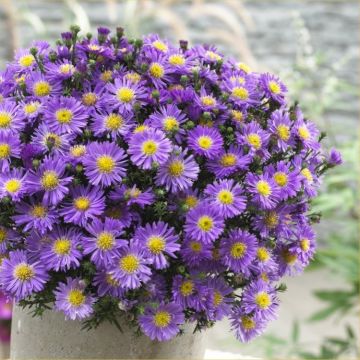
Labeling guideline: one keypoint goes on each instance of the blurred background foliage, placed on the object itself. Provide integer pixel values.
(315, 80)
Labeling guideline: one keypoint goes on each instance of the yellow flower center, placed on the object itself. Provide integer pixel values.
(105, 240)
(159, 45)
(281, 178)
(54, 138)
(288, 257)
(140, 129)
(247, 322)
(283, 132)
(3, 234)
(191, 201)
(307, 173)
(149, 147)
(303, 132)
(176, 59)
(156, 244)
(271, 219)
(106, 76)
(176, 168)
(129, 263)
(218, 298)
(205, 223)
(5, 120)
(66, 68)
(226, 197)
(254, 140)
(78, 150)
(105, 164)
(64, 116)
(263, 188)
(76, 297)
(264, 277)
(195, 246)
(170, 123)
(62, 246)
(238, 250)
(187, 288)
(274, 87)
(240, 93)
(5, 151)
(31, 107)
(42, 88)
(12, 185)
(26, 60)
(212, 55)
(262, 254)
(156, 70)
(49, 180)
(82, 203)
(162, 319)
(262, 299)
(208, 101)
(305, 244)
(111, 281)
(205, 142)
(94, 47)
(114, 122)
(133, 77)
(23, 272)
(237, 115)
(89, 99)
(244, 67)
(228, 160)
(38, 211)
(125, 94)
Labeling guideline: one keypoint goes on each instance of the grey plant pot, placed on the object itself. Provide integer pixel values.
(51, 337)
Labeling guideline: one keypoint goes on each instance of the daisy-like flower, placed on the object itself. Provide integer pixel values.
(238, 250)
(307, 133)
(242, 91)
(260, 297)
(179, 172)
(40, 87)
(227, 196)
(24, 60)
(112, 122)
(72, 300)
(10, 147)
(178, 63)
(10, 120)
(6, 236)
(205, 141)
(193, 252)
(122, 214)
(148, 147)
(123, 94)
(76, 154)
(158, 71)
(133, 195)
(153, 41)
(334, 157)
(273, 87)
(159, 240)
(221, 302)
(107, 285)
(30, 109)
(264, 262)
(289, 262)
(304, 244)
(65, 115)
(86, 204)
(131, 268)
(62, 252)
(245, 325)
(60, 70)
(205, 222)
(255, 137)
(280, 128)
(50, 180)
(229, 162)
(20, 277)
(264, 190)
(104, 163)
(207, 101)
(35, 215)
(14, 184)
(162, 323)
(103, 243)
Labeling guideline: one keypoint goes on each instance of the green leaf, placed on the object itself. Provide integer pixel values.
(295, 332)
(325, 313)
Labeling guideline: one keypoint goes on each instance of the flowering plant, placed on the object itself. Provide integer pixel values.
(157, 183)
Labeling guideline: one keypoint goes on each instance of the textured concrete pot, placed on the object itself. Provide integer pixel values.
(51, 337)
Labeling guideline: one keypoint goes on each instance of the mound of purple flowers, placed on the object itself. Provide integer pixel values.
(159, 183)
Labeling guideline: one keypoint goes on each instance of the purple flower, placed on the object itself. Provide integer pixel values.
(131, 266)
(238, 250)
(304, 244)
(50, 180)
(242, 91)
(104, 163)
(193, 252)
(20, 278)
(148, 147)
(307, 133)
(104, 243)
(162, 323)
(133, 195)
(204, 222)
(10, 147)
(205, 141)
(255, 137)
(333, 159)
(159, 240)
(40, 87)
(14, 184)
(107, 285)
(280, 127)
(60, 70)
(179, 172)
(72, 300)
(62, 252)
(273, 87)
(226, 195)
(10, 121)
(221, 302)
(86, 204)
(158, 69)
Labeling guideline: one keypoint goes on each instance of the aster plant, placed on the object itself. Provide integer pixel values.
(157, 183)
